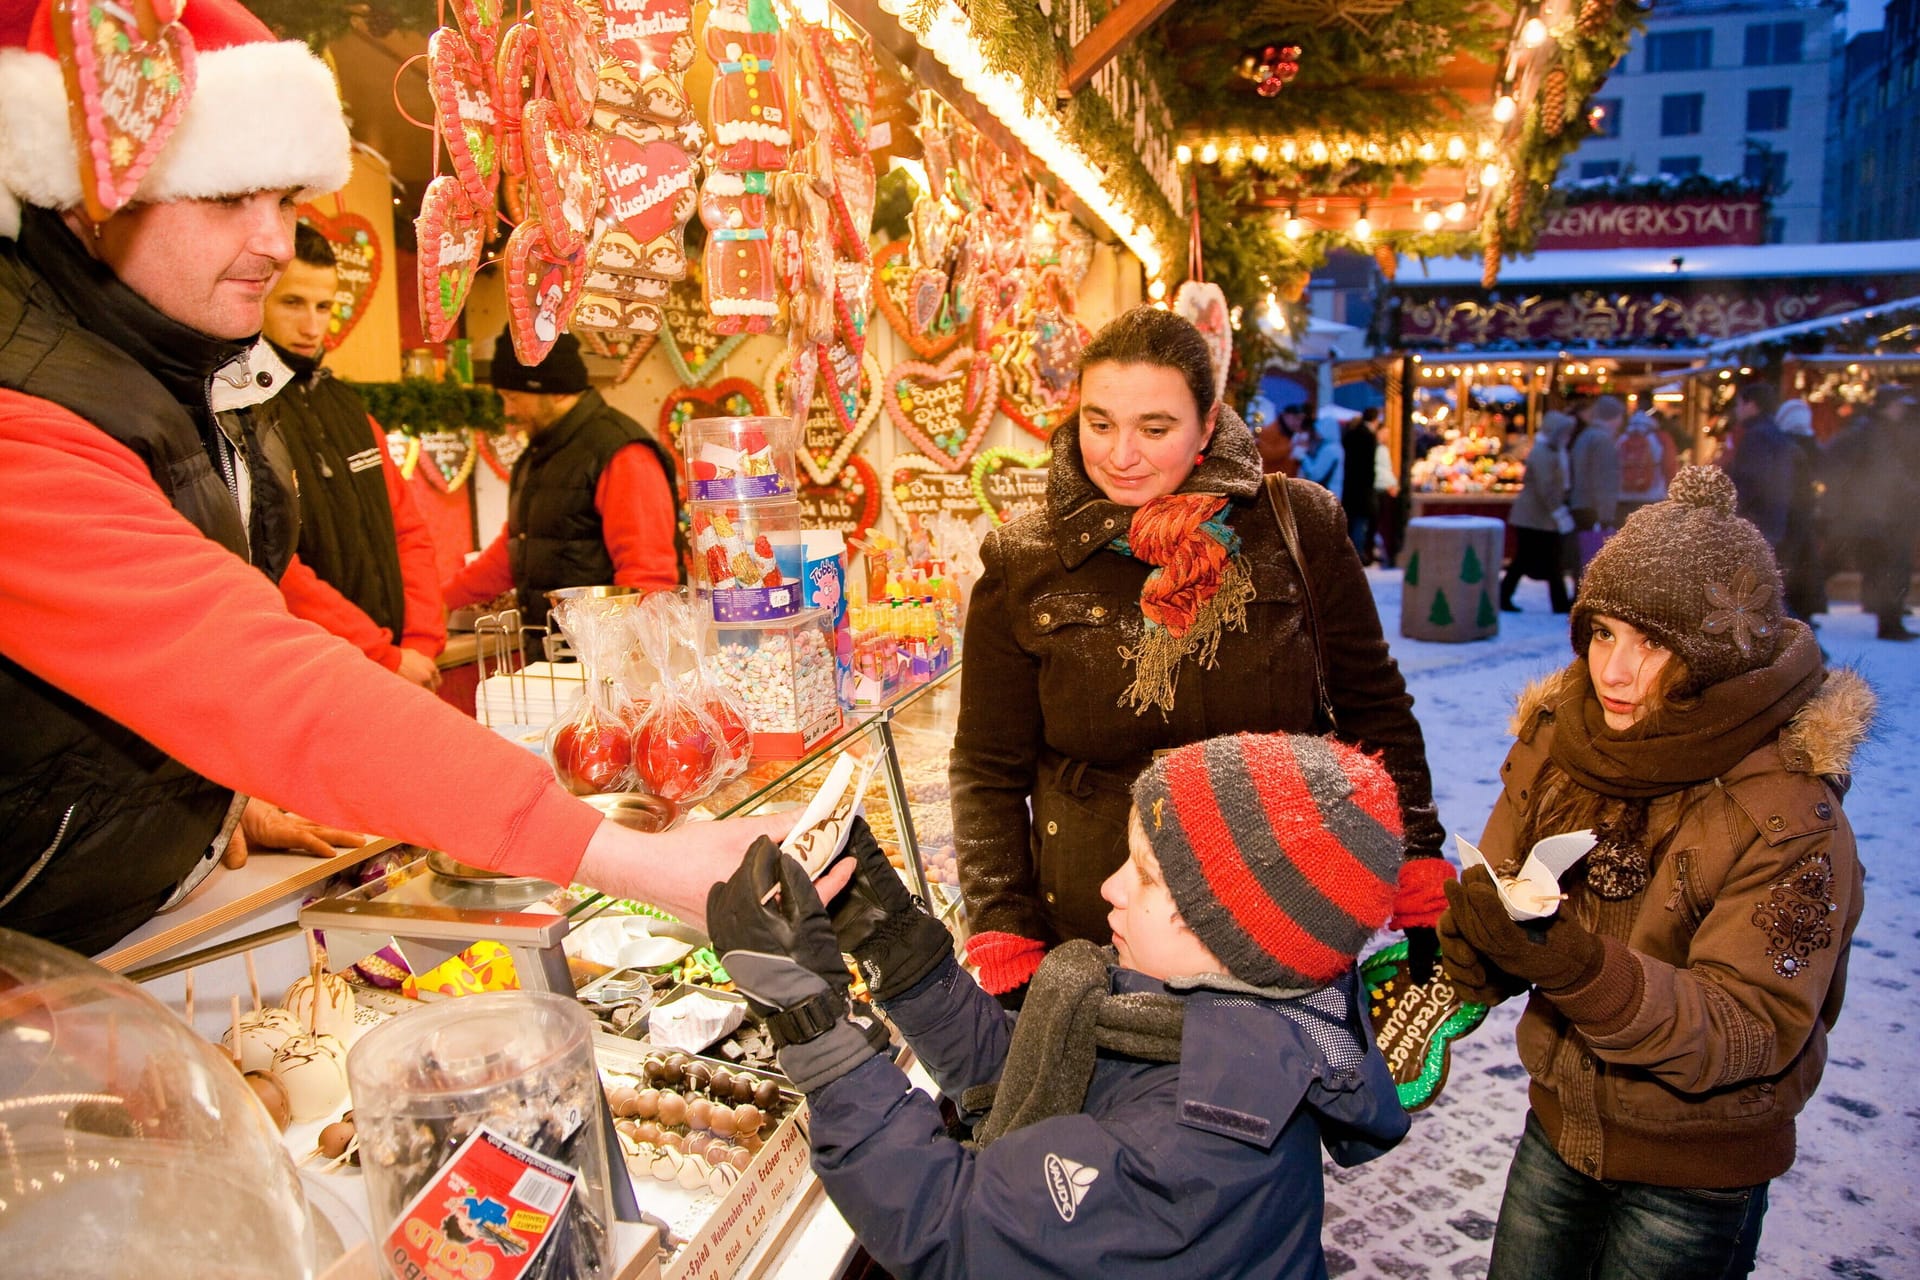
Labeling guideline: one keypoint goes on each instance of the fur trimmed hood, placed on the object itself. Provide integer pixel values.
(1821, 739)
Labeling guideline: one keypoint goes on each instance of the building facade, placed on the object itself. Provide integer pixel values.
(1873, 171)
(1726, 88)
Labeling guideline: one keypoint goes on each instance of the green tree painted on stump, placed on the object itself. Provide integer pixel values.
(1486, 617)
(1440, 615)
(1412, 578)
(1470, 570)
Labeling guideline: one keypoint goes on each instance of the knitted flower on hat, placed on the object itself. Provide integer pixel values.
(1281, 851)
(1694, 576)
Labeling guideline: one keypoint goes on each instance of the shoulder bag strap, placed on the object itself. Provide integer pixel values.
(1282, 504)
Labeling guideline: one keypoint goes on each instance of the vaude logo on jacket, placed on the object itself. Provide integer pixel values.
(1067, 1183)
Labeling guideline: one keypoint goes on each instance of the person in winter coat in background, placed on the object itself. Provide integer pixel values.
(1539, 517)
(1152, 603)
(1386, 496)
(1158, 1107)
(366, 568)
(1765, 465)
(1872, 473)
(1357, 447)
(1593, 479)
(1320, 455)
(1647, 462)
(1684, 990)
(1802, 564)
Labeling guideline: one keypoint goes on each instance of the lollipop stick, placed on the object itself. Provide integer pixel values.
(253, 981)
(189, 1000)
(236, 1032)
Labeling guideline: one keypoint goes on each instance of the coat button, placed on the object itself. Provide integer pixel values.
(1591, 1165)
(1823, 810)
(1099, 611)
(1109, 524)
(1776, 823)
(1045, 618)
(1086, 537)
(1049, 896)
(264, 378)
(1053, 828)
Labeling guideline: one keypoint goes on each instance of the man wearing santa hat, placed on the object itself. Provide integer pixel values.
(150, 675)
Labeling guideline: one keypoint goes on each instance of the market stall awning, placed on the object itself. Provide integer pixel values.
(1745, 262)
(1901, 315)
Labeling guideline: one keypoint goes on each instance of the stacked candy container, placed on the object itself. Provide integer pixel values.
(784, 673)
(746, 517)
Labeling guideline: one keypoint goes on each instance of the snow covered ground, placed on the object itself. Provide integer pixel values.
(1850, 1207)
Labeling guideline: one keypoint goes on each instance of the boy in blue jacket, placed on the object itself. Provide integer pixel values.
(1161, 1103)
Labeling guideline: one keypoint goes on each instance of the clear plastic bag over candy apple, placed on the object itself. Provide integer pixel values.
(692, 736)
(591, 746)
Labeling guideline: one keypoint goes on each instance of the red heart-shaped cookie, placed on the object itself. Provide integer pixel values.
(451, 233)
(572, 61)
(516, 75)
(649, 37)
(356, 256)
(929, 404)
(647, 186)
(480, 21)
(129, 70)
(850, 502)
(463, 104)
(893, 278)
(542, 291)
(727, 398)
(563, 171)
(839, 413)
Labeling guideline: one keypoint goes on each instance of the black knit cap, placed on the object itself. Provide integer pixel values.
(1282, 851)
(562, 373)
(1694, 576)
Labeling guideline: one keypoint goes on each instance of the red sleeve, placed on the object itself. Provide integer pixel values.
(312, 597)
(222, 678)
(482, 580)
(425, 626)
(637, 517)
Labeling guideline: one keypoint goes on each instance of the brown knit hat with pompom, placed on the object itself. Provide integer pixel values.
(1692, 575)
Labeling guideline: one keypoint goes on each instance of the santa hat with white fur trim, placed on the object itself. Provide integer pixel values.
(264, 115)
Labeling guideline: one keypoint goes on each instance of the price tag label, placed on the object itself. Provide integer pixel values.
(485, 1216)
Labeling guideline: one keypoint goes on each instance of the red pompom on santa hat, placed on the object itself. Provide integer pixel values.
(264, 115)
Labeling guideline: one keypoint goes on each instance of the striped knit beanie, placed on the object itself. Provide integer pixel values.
(1281, 851)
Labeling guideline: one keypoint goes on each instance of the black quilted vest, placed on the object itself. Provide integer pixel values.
(554, 535)
(97, 825)
(346, 518)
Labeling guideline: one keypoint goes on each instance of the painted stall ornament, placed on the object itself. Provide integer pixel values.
(129, 71)
(451, 233)
(464, 114)
(748, 104)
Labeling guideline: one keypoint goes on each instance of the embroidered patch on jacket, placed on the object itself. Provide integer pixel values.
(365, 460)
(1795, 916)
(1067, 1183)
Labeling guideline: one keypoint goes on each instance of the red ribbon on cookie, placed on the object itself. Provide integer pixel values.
(127, 84)
(451, 234)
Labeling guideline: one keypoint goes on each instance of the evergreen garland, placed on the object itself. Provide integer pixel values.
(419, 405)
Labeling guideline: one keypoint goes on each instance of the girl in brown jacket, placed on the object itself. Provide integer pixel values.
(1683, 991)
(1153, 603)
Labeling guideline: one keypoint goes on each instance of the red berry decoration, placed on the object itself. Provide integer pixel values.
(704, 470)
(752, 440)
(1270, 87)
(763, 548)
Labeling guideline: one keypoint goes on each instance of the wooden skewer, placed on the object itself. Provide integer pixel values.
(189, 1000)
(253, 981)
(237, 1063)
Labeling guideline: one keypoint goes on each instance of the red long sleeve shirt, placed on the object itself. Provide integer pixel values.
(311, 597)
(108, 593)
(637, 515)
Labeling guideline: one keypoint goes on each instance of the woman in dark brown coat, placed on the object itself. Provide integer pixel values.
(1153, 603)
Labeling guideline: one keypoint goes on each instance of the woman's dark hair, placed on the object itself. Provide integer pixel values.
(1148, 335)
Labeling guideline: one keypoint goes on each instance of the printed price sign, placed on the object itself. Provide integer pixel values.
(485, 1215)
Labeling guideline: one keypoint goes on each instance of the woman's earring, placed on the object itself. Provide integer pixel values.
(1199, 457)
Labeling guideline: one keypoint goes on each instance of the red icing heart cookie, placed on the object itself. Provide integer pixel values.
(542, 291)
(480, 22)
(648, 37)
(356, 253)
(650, 191)
(571, 59)
(127, 83)
(933, 336)
(850, 502)
(451, 233)
(563, 171)
(516, 72)
(928, 403)
(463, 106)
(727, 398)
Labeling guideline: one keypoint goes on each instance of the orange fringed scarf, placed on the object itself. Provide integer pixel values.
(1199, 586)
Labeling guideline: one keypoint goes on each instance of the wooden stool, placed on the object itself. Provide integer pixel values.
(1453, 564)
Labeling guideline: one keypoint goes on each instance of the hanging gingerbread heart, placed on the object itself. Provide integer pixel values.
(648, 37)
(727, 398)
(480, 22)
(516, 75)
(129, 70)
(356, 257)
(919, 489)
(450, 232)
(567, 51)
(847, 66)
(542, 291)
(463, 109)
(1009, 484)
(852, 305)
(563, 170)
(1026, 398)
(694, 350)
(850, 502)
(1058, 339)
(450, 456)
(650, 194)
(915, 308)
(831, 435)
(1205, 304)
(928, 403)
(853, 196)
(500, 450)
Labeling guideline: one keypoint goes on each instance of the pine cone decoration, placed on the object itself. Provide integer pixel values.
(1594, 16)
(1553, 103)
(1516, 206)
(1490, 259)
(1387, 260)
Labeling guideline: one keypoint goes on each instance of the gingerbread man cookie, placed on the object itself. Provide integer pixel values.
(740, 277)
(748, 105)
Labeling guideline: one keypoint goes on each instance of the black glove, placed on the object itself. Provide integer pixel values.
(1476, 978)
(1553, 954)
(1423, 950)
(887, 930)
(775, 940)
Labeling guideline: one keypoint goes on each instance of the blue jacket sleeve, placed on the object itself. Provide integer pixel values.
(957, 1030)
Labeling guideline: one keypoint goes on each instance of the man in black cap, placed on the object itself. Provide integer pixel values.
(591, 500)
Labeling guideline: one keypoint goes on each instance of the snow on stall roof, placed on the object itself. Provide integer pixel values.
(1572, 266)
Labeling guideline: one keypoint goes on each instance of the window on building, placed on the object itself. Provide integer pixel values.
(1771, 44)
(1679, 166)
(1599, 169)
(1776, 230)
(1681, 114)
(1604, 115)
(1767, 109)
(1680, 50)
(1767, 167)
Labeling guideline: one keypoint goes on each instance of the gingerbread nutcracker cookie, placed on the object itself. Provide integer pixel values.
(748, 106)
(740, 283)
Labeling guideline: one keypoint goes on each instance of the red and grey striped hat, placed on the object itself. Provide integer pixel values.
(1281, 851)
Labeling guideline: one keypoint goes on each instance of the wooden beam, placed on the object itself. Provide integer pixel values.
(1127, 19)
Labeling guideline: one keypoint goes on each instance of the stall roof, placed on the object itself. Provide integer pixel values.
(1542, 355)
(1732, 347)
(1571, 266)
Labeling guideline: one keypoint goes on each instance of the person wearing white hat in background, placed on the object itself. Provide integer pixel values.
(150, 675)
(1801, 562)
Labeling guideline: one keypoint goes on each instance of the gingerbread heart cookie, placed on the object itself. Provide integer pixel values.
(849, 502)
(480, 22)
(1009, 484)
(915, 307)
(650, 194)
(563, 172)
(129, 70)
(727, 398)
(463, 107)
(919, 489)
(516, 75)
(450, 456)
(451, 233)
(572, 61)
(929, 405)
(542, 291)
(836, 421)
(1028, 399)
(356, 256)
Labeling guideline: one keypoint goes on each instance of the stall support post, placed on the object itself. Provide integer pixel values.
(902, 811)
